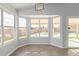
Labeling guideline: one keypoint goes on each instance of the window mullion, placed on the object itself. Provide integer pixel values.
(2, 28)
(39, 27)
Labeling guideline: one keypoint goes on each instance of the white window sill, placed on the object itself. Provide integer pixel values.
(7, 42)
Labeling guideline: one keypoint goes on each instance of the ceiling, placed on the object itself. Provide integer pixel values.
(18, 6)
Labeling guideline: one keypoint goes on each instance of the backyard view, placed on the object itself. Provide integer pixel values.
(39, 27)
(8, 26)
(34, 27)
(73, 28)
(44, 27)
(22, 28)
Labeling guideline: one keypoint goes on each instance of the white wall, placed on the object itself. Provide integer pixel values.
(8, 8)
(50, 9)
(39, 41)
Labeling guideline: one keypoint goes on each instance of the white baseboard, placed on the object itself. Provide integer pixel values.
(12, 51)
(38, 43)
(22, 45)
(15, 49)
(57, 45)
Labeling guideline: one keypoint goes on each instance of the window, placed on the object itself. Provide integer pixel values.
(0, 26)
(56, 27)
(22, 28)
(39, 27)
(73, 31)
(43, 28)
(8, 25)
(34, 28)
(73, 28)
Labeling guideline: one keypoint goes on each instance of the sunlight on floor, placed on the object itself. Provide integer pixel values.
(73, 43)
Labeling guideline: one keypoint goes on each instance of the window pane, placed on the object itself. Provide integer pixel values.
(34, 27)
(39, 28)
(8, 23)
(35, 21)
(56, 27)
(73, 24)
(44, 21)
(22, 28)
(34, 30)
(0, 26)
(73, 31)
(43, 27)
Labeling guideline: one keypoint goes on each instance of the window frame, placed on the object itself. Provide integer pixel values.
(1, 27)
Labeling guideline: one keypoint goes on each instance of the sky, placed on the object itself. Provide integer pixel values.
(22, 22)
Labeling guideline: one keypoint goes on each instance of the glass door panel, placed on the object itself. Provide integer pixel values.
(56, 27)
(34, 30)
(43, 28)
